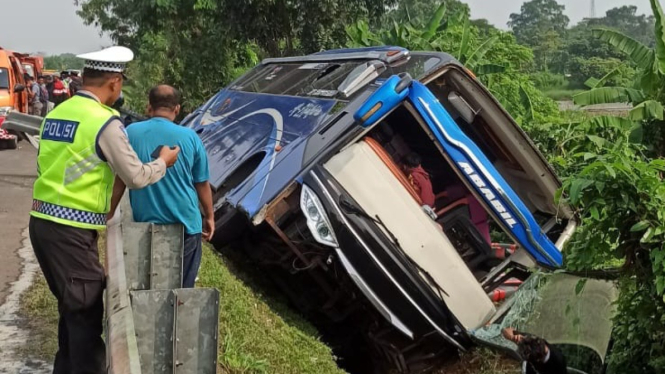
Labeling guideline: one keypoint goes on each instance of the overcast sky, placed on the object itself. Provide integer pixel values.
(52, 26)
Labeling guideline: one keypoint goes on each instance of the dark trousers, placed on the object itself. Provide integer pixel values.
(69, 260)
(191, 260)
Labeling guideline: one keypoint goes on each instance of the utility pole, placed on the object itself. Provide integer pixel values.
(592, 13)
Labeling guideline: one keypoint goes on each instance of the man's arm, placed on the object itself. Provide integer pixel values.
(205, 198)
(115, 147)
(118, 191)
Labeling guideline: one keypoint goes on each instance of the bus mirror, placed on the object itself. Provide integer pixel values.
(386, 98)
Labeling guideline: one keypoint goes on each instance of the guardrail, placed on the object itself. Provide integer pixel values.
(153, 326)
(23, 123)
(121, 346)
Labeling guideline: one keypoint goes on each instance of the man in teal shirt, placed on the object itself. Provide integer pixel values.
(175, 198)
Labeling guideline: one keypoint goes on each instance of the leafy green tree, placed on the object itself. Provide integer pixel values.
(62, 62)
(420, 11)
(495, 57)
(201, 45)
(617, 72)
(626, 20)
(541, 24)
(614, 174)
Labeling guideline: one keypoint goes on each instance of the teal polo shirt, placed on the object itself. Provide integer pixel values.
(173, 199)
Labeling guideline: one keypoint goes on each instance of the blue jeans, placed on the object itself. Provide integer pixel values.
(191, 260)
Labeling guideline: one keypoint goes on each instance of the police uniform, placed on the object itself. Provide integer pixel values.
(83, 146)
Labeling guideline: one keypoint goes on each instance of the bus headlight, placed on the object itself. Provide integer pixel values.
(317, 220)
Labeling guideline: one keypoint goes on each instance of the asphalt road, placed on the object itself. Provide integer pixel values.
(17, 174)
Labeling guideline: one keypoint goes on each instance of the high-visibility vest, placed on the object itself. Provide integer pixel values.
(74, 185)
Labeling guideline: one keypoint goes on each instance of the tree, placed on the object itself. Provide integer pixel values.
(537, 17)
(615, 170)
(420, 11)
(540, 24)
(580, 47)
(62, 62)
(626, 20)
(200, 45)
(495, 58)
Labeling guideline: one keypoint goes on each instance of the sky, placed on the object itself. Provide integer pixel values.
(69, 34)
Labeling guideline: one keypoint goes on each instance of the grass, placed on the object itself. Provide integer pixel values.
(40, 311)
(257, 334)
(482, 361)
(257, 338)
(254, 337)
(561, 94)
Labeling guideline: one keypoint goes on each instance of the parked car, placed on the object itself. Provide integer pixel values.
(306, 157)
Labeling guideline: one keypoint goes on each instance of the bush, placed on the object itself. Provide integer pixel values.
(581, 69)
(546, 80)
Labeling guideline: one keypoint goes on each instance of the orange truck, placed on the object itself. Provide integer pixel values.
(13, 92)
(32, 65)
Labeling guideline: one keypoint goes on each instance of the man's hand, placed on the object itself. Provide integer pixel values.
(204, 193)
(118, 191)
(208, 228)
(509, 333)
(170, 156)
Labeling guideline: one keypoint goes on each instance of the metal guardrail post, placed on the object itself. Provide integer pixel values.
(23, 123)
(153, 326)
(121, 348)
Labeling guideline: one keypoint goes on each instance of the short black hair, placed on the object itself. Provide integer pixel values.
(532, 349)
(96, 78)
(29, 78)
(412, 160)
(164, 96)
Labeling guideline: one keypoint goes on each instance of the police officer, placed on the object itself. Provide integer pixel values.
(83, 144)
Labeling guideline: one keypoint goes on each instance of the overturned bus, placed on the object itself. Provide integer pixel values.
(307, 162)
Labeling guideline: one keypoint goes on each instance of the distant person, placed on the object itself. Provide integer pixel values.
(539, 356)
(49, 90)
(419, 178)
(60, 93)
(34, 97)
(75, 83)
(64, 77)
(44, 98)
(176, 198)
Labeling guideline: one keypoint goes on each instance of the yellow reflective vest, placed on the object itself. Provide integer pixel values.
(74, 184)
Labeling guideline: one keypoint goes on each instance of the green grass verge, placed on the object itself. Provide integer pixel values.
(254, 337)
(40, 311)
(561, 94)
(257, 334)
(482, 361)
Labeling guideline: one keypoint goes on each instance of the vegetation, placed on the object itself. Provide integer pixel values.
(63, 62)
(200, 45)
(40, 310)
(495, 57)
(257, 334)
(260, 335)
